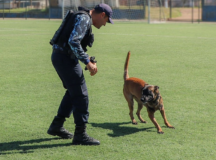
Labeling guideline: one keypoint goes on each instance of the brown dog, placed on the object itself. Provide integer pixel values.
(144, 94)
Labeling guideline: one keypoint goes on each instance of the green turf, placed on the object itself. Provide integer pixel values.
(178, 57)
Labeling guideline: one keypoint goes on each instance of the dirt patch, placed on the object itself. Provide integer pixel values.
(187, 13)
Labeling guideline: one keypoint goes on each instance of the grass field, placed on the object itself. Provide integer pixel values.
(178, 57)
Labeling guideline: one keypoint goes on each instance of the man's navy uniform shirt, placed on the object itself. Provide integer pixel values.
(82, 24)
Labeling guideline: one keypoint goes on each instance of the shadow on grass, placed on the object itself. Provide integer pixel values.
(119, 130)
(27, 146)
(30, 145)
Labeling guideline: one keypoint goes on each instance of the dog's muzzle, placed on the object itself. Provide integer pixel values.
(146, 99)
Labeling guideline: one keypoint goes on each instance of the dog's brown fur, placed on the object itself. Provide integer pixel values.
(144, 94)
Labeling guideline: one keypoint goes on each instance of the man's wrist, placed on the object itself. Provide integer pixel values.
(87, 61)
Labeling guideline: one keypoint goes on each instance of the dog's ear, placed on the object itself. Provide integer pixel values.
(156, 88)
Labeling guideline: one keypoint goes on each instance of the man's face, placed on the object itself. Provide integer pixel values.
(100, 19)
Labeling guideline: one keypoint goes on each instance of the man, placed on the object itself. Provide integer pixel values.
(71, 47)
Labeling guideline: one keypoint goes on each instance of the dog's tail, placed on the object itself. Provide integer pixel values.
(126, 76)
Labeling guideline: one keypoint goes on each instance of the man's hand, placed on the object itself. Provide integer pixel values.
(92, 67)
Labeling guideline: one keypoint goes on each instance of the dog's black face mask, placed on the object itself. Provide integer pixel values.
(147, 95)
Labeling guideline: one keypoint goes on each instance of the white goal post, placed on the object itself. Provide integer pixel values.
(156, 11)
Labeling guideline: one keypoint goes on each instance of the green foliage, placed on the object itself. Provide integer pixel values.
(179, 58)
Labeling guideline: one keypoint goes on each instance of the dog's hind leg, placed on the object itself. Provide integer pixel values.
(140, 106)
(130, 101)
(131, 108)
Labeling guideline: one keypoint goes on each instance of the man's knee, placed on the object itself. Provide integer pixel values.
(79, 90)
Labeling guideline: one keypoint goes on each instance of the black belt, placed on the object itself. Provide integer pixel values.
(68, 53)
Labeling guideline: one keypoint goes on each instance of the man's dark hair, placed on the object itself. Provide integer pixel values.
(97, 12)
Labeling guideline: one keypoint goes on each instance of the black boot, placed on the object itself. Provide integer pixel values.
(56, 128)
(81, 137)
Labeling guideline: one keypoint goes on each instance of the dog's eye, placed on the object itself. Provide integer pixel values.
(150, 93)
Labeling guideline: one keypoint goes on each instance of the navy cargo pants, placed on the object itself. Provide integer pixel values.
(75, 99)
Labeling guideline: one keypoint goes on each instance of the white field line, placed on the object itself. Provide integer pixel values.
(6, 35)
(118, 34)
(157, 36)
(3, 30)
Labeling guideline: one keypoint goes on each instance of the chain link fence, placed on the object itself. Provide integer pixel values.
(122, 9)
(24, 9)
(185, 10)
(172, 10)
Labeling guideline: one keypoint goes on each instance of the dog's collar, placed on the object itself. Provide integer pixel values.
(158, 97)
(156, 100)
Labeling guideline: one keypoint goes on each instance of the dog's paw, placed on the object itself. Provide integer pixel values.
(171, 127)
(160, 132)
(143, 121)
(134, 123)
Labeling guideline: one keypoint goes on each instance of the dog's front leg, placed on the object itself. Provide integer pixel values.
(152, 118)
(162, 111)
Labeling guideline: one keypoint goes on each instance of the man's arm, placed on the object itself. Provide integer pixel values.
(81, 26)
(82, 23)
